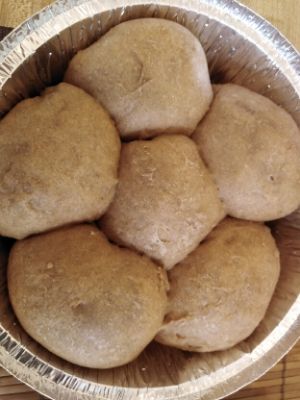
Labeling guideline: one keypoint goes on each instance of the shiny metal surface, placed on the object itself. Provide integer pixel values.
(242, 48)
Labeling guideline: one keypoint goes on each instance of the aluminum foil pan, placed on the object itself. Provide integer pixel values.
(242, 48)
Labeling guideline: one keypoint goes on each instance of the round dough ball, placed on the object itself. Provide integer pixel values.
(221, 291)
(252, 148)
(166, 201)
(84, 299)
(150, 74)
(58, 164)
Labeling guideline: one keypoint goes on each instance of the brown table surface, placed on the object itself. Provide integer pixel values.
(283, 381)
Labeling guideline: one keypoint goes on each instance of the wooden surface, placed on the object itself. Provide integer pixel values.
(283, 381)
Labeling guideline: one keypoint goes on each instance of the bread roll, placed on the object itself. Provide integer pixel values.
(150, 74)
(166, 201)
(252, 148)
(84, 299)
(221, 291)
(58, 164)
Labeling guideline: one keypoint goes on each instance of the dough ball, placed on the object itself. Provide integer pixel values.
(221, 291)
(58, 164)
(150, 74)
(252, 148)
(84, 299)
(166, 201)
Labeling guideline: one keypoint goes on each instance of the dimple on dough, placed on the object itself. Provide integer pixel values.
(252, 148)
(59, 161)
(84, 299)
(166, 201)
(220, 293)
(150, 74)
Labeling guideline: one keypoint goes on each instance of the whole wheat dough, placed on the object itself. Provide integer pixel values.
(252, 148)
(58, 164)
(150, 74)
(84, 299)
(166, 201)
(220, 292)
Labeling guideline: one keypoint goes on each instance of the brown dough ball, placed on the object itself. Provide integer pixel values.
(166, 201)
(221, 291)
(150, 74)
(84, 299)
(252, 148)
(58, 164)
